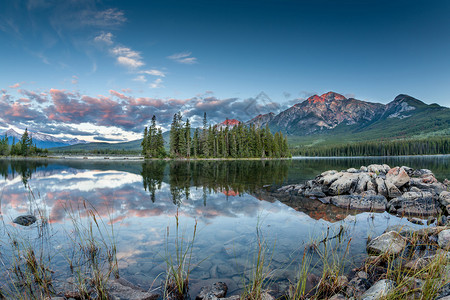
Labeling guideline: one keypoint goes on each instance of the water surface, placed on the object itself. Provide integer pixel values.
(230, 200)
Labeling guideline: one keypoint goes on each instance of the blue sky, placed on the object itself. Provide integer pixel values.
(89, 69)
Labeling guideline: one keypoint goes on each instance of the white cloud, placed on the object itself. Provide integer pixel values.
(127, 57)
(153, 73)
(104, 38)
(183, 58)
(140, 78)
(74, 79)
(156, 84)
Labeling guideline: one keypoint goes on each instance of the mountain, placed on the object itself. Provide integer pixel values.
(228, 123)
(332, 117)
(261, 120)
(43, 140)
(127, 146)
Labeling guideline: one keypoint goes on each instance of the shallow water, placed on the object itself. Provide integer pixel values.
(232, 201)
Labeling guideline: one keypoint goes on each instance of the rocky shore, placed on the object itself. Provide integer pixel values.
(398, 190)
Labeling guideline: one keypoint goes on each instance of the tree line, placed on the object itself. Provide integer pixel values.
(23, 147)
(238, 141)
(437, 145)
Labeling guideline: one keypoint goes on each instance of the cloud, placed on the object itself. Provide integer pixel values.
(15, 86)
(74, 79)
(140, 78)
(118, 95)
(183, 58)
(104, 38)
(40, 98)
(127, 57)
(106, 139)
(156, 84)
(153, 73)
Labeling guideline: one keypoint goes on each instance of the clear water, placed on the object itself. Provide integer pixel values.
(230, 200)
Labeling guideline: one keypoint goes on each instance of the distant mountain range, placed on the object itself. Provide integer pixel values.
(328, 118)
(331, 117)
(43, 140)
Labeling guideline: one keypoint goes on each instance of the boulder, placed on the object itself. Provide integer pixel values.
(378, 169)
(329, 178)
(352, 170)
(413, 203)
(388, 243)
(392, 189)
(363, 169)
(379, 290)
(343, 184)
(361, 185)
(381, 187)
(444, 239)
(214, 291)
(420, 172)
(444, 198)
(121, 289)
(360, 202)
(397, 177)
(357, 286)
(428, 178)
(25, 220)
(314, 192)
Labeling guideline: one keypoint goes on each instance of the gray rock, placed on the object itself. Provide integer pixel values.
(397, 176)
(330, 172)
(420, 172)
(444, 239)
(329, 178)
(392, 190)
(343, 184)
(408, 170)
(212, 292)
(444, 198)
(361, 185)
(388, 243)
(360, 202)
(314, 192)
(381, 187)
(379, 290)
(412, 203)
(121, 289)
(357, 286)
(416, 221)
(403, 230)
(378, 169)
(25, 220)
(364, 169)
(352, 170)
(338, 297)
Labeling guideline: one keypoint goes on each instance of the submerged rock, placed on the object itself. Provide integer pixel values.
(214, 291)
(388, 243)
(25, 220)
(121, 289)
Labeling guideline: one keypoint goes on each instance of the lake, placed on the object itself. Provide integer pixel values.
(233, 202)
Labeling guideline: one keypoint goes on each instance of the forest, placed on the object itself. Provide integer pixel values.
(430, 146)
(23, 147)
(238, 141)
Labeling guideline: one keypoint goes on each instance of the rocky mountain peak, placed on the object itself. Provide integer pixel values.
(332, 96)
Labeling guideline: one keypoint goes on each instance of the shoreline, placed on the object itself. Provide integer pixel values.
(142, 159)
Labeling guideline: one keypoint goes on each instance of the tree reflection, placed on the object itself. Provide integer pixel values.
(10, 169)
(229, 177)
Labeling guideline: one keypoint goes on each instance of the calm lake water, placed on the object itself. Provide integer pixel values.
(230, 200)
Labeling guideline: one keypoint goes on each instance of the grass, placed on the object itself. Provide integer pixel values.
(28, 255)
(260, 271)
(178, 263)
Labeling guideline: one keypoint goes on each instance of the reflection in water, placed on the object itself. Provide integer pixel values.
(228, 198)
(228, 177)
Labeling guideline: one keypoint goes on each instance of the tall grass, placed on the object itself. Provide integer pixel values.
(178, 262)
